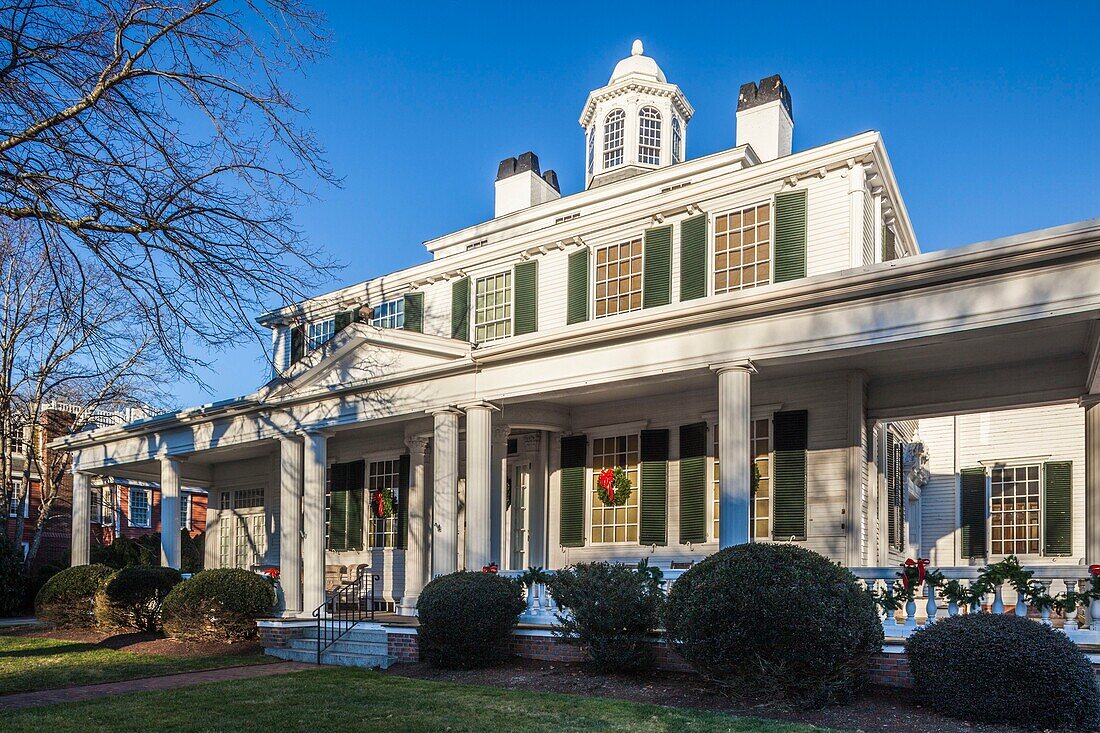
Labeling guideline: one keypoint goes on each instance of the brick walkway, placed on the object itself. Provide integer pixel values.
(166, 682)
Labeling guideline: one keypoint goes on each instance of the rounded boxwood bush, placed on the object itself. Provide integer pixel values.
(611, 610)
(132, 597)
(992, 668)
(467, 619)
(222, 603)
(776, 620)
(68, 598)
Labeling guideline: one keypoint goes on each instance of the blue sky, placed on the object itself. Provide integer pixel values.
(989, 111)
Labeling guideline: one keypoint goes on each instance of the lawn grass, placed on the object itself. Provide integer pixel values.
(31, 663)
(335, 700)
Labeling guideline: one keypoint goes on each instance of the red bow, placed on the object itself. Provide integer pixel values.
(379, 504)
(920, 564)
(1094, 569)
(607, 481)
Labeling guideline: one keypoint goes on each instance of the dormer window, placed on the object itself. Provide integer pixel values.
(319, 332)
(649, 136)
(677, 140)
(614, 127)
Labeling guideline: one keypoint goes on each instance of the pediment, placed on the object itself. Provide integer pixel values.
(362, 354)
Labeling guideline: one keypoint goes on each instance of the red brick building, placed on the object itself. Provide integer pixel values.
(130, 508)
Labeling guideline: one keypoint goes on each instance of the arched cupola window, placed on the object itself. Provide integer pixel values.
(677, 140)
(649, 136)
(614, 127)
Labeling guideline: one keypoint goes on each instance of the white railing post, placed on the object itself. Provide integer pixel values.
(930, 608)
(1071, 614)
(998, 606)
(1021, 605)
(1044, 612)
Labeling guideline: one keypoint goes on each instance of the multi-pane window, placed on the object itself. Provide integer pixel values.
(615, 523)
(619, 278)
(760, 507)
(319, 332)
(591, 135)
(742, 248)
(248, 498)
(614, 128)
(649, 136)
(242, 531)
(383, 475)
(677, 140)
(185, 511)
(493, 307)
(140, 509)
(390, 314)
(225, 533)
(1014, 510)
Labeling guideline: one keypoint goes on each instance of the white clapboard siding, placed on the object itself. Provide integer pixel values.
(827, 220)
(1028, 435)
(437, 309)
(553, 274)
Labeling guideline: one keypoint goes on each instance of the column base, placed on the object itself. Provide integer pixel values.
(407, 607)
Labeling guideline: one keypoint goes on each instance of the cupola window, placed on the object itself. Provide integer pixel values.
(614, 127)
(677, 140)
(649, 136)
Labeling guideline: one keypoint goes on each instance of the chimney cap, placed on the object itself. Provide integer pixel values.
(770, 89)
(511, 166)
(552, 178)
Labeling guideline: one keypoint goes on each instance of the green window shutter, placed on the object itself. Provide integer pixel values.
(344, 319)
(337, 539)
(895, 492)
(789, 474)
(574, 455)
(653, 502)
(356, 482)
(972, 514)
(525, 294)
(693, 258)
(414, 312)
(790, 236)
(693, 483)
(577, 287)
(657, 268)
(1058, 508)
(403, 489)
(460, 309)
(297, 344)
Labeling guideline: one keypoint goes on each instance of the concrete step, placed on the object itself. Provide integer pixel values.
(356, 633)
(340, 659)
(348, 645)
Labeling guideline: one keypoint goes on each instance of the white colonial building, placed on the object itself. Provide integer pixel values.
(682, 318)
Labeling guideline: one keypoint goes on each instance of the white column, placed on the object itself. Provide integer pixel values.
(290, 523)
(314, 467)
(735, 474)
(170, 512)
(1092, 478)
(82, 520)
(445, 492)
(498, 477)
(479, 531)
(857, 200)
(416, 554)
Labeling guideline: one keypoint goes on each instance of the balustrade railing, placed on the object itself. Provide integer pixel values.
(1083, 626)
(928, 602)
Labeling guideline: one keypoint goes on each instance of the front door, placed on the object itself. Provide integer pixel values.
(519, 480)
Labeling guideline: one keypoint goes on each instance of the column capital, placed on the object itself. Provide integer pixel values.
(314, 433)
(448, 410)
(164, 455)
(501, 433)
(740, 365)
(482, 404)
(417, 444)
(289, 437)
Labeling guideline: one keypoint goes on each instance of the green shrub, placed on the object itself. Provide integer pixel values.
(132, 597)
(13, 581)
(467, 619)
(610, 609)
(37, 579)
(992, 668)
(68, 598)
(145, 551)
(218, 604)
(777, 621)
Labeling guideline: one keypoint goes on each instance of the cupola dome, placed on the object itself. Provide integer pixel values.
(637, 65)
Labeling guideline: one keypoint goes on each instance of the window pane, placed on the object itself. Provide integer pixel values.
(649, 136)
(383, 475)
(390, 314)
(493, 307)
(609, 523)
(1013, 491)
(760, 508)
(613, 129)
(742, 254)
(619, 282)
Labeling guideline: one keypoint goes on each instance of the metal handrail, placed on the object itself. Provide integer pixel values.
(343, 609)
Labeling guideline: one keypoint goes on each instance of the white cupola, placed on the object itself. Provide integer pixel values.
(637, 122)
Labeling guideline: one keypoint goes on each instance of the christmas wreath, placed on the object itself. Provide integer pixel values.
(613, 486)
(381, 503)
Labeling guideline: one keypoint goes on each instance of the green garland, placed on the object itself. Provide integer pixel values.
(991, 577)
